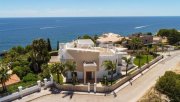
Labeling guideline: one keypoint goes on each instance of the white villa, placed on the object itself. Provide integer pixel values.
(89, 58)
(108, 39)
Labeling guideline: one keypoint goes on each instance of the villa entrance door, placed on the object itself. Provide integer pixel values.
(89, 76)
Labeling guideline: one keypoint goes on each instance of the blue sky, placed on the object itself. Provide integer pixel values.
(79, 8)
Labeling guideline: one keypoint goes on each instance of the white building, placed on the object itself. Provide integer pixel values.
(89, 59)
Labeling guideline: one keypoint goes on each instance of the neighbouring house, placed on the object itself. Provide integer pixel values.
(108, 39)
(89, 59)
(145, 38)
(157, 39)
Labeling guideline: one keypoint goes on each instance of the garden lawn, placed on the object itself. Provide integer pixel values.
(14, 87)
(142, 60)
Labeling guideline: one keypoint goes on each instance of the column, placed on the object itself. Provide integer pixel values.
(95, 77)
(89, 87)
(45, 83)
(51, 79)
(39, 84)
(95, 87)
(84, 77)
(20, 91)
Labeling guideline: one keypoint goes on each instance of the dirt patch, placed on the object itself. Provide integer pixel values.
(152, 95)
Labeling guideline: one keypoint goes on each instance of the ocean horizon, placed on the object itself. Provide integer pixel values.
(23, 30)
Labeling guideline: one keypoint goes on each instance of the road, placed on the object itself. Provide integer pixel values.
(130, 93)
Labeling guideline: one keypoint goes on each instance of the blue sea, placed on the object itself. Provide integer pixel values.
(21, 31)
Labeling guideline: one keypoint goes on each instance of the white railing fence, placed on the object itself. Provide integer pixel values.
(24, 92)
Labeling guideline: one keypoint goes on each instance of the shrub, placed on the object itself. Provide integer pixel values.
(30, 77)
(169, 84)
(21, 71)
(45, 72)
(16, 63)
(60, 78)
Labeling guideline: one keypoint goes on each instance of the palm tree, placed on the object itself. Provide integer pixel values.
(136, 42)
(138, 56)
(71, 66)
(110, 66)
(59, 69)
(4, 76)
(46, 71)
(128, 61)
(155, 47)
(146, 49)
(162, 46)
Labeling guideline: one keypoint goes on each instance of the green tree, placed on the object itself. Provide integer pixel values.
(149, 33)
(128, 61)
(39, 54)
(28, 48)
(4, 76)
(169, 84)
(30, 77)
(11, 56)
(96, 37)
(135, 43)
(71, 66)
(155, 48)
(57, 45)
(21, 71)
(139, 57)
(59, 69)
(146, 49)
(110, 66)
(172, 35)
(19, 49)
(46, 71)
(163, 32)
(49, 45)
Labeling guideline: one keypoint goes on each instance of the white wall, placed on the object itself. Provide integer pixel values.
(85, 45)
(102, 70)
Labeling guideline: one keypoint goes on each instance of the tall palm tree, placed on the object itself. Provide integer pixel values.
(146, 49)
(110, 66)
(59, 69)
(4, 76)
(71, 66)
(155, 47)
(138, 56)
(128, 61)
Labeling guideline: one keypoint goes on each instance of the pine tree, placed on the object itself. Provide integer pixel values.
(49, 45)
(57, 45)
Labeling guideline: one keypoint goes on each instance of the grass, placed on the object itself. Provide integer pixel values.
(14, 87)
(132, 71)
(142, 60)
